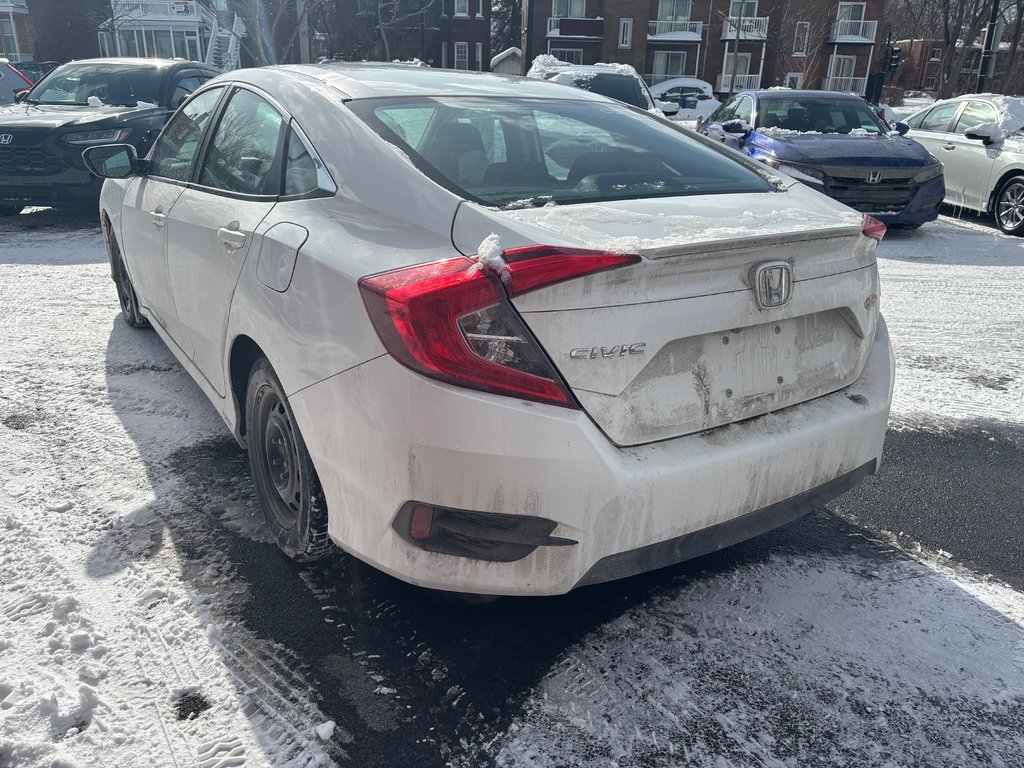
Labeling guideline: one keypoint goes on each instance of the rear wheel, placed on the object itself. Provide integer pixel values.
(1009, 208)
(125, 290)
(11, 210)
(286, 483)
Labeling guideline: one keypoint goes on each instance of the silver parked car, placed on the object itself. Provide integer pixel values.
(979, 141)
(496, 335)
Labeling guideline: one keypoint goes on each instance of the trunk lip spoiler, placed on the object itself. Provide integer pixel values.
(748, 242)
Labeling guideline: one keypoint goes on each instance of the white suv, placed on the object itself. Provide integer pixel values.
(979, 141)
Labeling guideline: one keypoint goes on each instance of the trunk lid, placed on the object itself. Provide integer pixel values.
(679, 343)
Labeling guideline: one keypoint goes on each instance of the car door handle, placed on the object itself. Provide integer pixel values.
(231, 236)
(158, 216)
(949, 146)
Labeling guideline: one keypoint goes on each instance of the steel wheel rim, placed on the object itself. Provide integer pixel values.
(281, 462)
(1011, 205)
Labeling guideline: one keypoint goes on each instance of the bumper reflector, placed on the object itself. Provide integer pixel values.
(476, 535)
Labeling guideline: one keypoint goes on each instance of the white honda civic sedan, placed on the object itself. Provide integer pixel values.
(495, 335)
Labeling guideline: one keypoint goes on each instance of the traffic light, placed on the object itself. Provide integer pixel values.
(893, 60)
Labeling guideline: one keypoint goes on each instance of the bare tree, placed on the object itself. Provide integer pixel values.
(391, 13)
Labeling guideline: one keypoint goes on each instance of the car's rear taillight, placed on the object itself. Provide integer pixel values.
(451, 320)
(872, 227)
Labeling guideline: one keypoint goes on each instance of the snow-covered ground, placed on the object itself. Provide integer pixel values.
(120, 634)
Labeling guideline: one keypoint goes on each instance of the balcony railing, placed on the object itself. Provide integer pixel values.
(854, 31)
(749, 28)
(738, 82)
(573, 27)
(846, 84)
(675, 30)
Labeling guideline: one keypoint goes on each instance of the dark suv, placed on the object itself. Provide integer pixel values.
(78, 105)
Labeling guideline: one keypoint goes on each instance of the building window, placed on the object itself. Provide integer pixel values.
(674, 10)
(929, 83)
(444, 55)
(8, 39)
(745, 8)
(461, 8)
(669, 64)
(936, 54)
(480, 57)
(568, 55)
(803, 37)
(568, 9)
(462, 55)
(625, 33)
(851, 12)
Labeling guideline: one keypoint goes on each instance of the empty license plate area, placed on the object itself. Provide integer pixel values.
(751, 362)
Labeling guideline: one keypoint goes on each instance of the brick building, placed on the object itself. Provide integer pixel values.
(455, 34)
(733, 44)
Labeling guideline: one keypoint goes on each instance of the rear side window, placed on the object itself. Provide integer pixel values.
(243, 156)
(975, 113)
(525, 152)
(175, 149)
(938, 119)
(299, 167)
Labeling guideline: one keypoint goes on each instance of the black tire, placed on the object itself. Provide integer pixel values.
(125, 290)
(1009, 206)
(286, 483)
(11, 210)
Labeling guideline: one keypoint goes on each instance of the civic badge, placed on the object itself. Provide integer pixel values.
(773, 284)
(873, 177)
(6, 138)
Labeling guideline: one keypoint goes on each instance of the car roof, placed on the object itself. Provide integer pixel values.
(771, 92)
(368, 80)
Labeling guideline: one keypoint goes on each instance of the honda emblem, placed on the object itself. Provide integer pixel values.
(773, 284)
(873, 177)
(6, 138)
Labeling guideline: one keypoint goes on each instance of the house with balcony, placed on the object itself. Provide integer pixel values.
(15, 32)
(732, 44)
(188, 29)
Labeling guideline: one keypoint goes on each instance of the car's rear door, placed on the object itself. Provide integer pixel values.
(214, 224)
(148, 202)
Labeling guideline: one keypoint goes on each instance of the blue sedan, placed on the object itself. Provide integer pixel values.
(837, 144)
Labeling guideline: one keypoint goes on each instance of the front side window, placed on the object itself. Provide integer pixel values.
(123, 85)
(523, 152)
(938, 119)
(975, 113)
(243, 154)
(185, 87)
(174, 151)
(745, 110)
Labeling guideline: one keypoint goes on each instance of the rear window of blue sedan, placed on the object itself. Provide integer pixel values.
(525, 152)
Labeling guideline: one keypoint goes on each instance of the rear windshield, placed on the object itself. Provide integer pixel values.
(624, 88)
(524, 152)
(117, 84)
(818, 114)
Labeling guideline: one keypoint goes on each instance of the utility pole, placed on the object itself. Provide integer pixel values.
(987, 54)
(527, 35)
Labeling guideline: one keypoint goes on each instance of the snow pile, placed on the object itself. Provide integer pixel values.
(145, 105)
(775, 131)
(94, 101)
(545, 64)
(490, 256)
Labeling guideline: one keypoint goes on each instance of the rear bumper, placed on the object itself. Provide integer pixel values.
(629, 509)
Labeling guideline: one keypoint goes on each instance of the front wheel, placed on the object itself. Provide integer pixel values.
(287, 486)
(1009, 208)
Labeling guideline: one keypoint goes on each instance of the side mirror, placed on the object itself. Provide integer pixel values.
(668, 107)
(737, 126)
(901, 128)
(20, 95)
(112, 161)
(986, 133)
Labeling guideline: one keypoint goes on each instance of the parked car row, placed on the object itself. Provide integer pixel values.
(533, 310)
